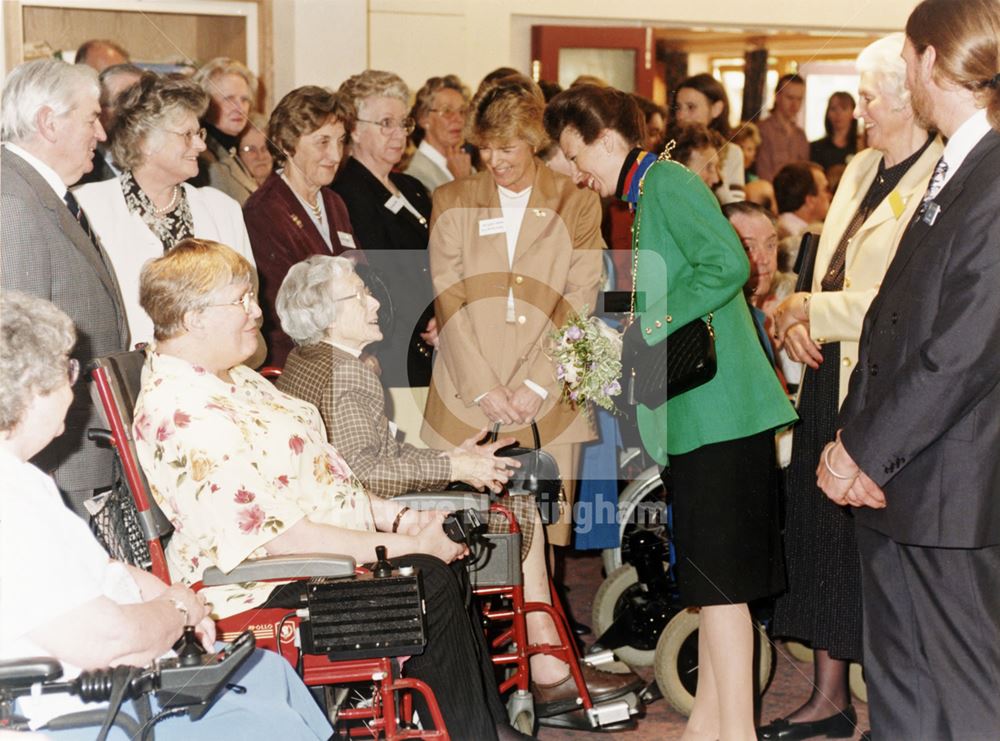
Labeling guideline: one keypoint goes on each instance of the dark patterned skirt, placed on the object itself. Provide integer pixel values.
(822, 606)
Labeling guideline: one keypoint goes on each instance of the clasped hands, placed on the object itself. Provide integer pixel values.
(503, 406)
(843, 481)
(790, 331)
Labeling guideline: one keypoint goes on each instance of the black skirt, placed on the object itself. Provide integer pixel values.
(725, 522)
(823, 603)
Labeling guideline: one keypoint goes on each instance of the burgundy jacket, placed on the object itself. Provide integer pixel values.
(282, 234)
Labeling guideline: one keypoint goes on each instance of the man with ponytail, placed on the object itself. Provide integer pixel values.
(916, 455)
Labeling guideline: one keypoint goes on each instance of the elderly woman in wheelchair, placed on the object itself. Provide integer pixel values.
(244, 471)
(60, 594)
(326, 308)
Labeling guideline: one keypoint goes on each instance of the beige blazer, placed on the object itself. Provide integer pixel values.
(556, 268)
(837, 316)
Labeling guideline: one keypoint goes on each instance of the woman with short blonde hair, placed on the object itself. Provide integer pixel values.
(232, 89)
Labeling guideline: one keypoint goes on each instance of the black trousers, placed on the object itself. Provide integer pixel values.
(455, 663)
(931, 639)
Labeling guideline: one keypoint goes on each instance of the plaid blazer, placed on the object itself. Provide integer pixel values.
(45, 252)
(351, 401)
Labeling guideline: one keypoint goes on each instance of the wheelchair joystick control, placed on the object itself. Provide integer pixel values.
(188, 647)
(383, 567)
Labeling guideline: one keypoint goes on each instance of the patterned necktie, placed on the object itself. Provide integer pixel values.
(74, 208)
(937, 182)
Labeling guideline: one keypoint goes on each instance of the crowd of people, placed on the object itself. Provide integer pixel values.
(404, 258)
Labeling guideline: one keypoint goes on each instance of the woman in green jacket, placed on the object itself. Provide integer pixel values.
(688, 264)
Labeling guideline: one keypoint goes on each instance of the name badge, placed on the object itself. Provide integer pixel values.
(931, 213)
(394, 204)
(346, 239)
(492, 226)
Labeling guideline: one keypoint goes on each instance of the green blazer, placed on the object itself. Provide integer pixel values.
(690, 263)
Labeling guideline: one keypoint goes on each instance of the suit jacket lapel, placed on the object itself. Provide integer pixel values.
(919, 229)
(538, 215)
(72, 229)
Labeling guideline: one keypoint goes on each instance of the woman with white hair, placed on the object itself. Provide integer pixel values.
(63, 597)
(149, 207)
(390, 212)
(878, 195)
(231, 87)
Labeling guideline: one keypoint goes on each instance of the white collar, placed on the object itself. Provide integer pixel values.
(964, 140)
(48, 174)
(509, 195)
(435, 156)
(349, 350)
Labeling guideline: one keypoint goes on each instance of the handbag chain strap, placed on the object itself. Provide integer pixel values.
(664, 157)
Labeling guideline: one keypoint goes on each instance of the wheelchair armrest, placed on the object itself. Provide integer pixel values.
(299, 566)
(451, 500)
(28, 671)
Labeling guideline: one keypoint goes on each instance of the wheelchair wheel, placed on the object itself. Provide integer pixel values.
(856, 681)
(799, 651)
(607, 605)
(642, 504)
(676, 661)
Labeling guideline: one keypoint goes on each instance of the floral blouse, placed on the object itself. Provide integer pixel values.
(233, 466)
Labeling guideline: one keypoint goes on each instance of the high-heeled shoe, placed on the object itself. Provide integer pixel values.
(839, 725)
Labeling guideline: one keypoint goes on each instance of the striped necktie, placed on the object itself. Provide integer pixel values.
(74, 208)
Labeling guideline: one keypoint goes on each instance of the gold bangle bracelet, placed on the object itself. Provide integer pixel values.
(399, 518)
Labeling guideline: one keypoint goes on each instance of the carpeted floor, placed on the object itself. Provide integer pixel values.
(789, 688)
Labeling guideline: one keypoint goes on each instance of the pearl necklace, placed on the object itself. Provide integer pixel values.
(170, 206)
(317, 211)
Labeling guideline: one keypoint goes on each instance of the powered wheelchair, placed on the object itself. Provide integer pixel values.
(386, 709)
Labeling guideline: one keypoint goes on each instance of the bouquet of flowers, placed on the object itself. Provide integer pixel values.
(588, 356)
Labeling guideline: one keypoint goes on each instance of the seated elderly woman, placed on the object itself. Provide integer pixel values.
(326, 308)
(243, 470)
(149, 208)
(61, 595)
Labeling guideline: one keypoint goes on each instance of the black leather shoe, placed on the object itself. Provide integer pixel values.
(841, 725)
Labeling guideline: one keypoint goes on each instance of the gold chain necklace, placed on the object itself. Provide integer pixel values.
(664, 157)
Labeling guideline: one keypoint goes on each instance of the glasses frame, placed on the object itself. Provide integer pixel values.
(189, 136)
(246, 302)
(388, 125)
(446, 112)
(362, 296)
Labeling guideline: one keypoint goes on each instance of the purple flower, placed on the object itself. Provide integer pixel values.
(573, 395)
(574, 333)
(613, 389)
(560, 372)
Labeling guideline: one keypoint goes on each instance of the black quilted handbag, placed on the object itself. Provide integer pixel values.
(685, 360)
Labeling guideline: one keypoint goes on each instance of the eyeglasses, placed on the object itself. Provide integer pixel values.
(362, 296)
(189, 136)
(72, 370)
(253, 149)
(447, 112)
(387, 125)
(247, 301)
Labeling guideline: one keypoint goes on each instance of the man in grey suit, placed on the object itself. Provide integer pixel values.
(918, 454)
(50, 128)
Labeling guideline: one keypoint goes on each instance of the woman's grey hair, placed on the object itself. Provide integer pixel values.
(34, 85)
(883, 59)
(35, 338)
(373, 83)
(207, 73)
(304, 302)
(147, 106)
